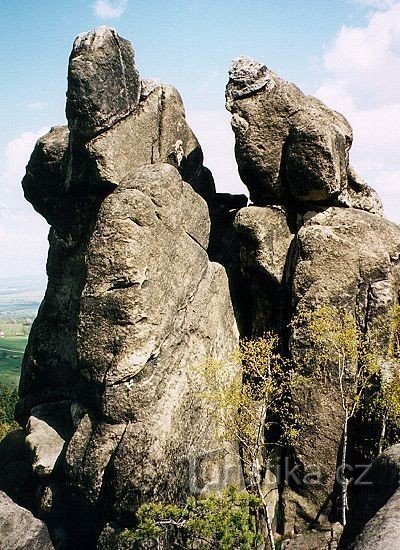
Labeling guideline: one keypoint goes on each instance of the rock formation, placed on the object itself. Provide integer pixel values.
(375, 509)
(314, 237)
(151, 272)
(20, 529)
(133, 304)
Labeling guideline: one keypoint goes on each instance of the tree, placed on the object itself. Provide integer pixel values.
(383, 405)
(337, 350)
(386, 405)
(248, 407)
(8, 400)
(242, 410)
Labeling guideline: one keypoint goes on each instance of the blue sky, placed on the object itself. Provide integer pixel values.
(345, 51)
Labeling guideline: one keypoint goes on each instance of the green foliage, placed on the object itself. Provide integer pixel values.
(15, 328)
(382, 404)
(368, 379)
(394, 349)
(253, 409)
(8, 400)
(257, 401)
(222, 521)
(268, 378)
(331, 336)
(338, 351)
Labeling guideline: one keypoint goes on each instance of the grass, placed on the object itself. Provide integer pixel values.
(11, 353)
(14, 328)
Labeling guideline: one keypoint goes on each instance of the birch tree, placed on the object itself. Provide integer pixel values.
(339, 352)
(246, 409)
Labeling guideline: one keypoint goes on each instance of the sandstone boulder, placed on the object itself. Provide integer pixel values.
(287, 144)
(19, 529)
(315, 540)
(139, 354)
(361, 195)
(383, 530)
(16, 468)
(45, 175)
(103, 83)
(45, 445)
(373, 513)
(150, 272)
(267, 229)
(156, 132)
(63, 167)
(347, 259)
(66, 181)
(265, 239)
(49, 370)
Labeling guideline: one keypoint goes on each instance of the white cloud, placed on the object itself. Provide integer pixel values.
(17, 154)
(37, 105)
(213, 130)
(366, 60)
(106, 9)
(23, 233)
(363, 64)
(23, 242)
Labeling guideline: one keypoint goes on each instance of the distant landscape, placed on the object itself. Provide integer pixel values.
(19, 302)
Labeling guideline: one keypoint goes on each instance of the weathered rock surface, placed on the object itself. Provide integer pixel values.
(348, 259)
(267, 229)
(361, 195)
(265, 239)
(293, 151)
(45, 173)
(141, 352)
(19, 529)
(383, 530)
(103, 83)
(66, 181)
(45, 445)
(287, 144)
(16, 468)
(314, 540)
(374, 518)
(156, 132)
(133, 307)
(150, 274)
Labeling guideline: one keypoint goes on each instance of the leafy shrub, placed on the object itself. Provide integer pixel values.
(8, 400)
(222, 521)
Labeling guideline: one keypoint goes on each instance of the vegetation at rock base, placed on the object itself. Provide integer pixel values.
(381, 406)
(250, 405)
(368, 382)
(222, 521)
(254, 409)
(244, 409)
(11, 353)
(8, 400)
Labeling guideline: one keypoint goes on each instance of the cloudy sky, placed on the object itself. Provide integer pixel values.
(347, 52)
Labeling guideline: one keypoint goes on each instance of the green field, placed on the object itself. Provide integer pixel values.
(15, 328)
(11, 353)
